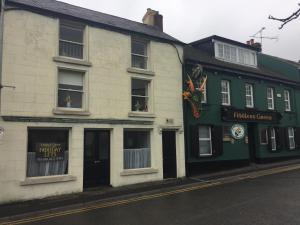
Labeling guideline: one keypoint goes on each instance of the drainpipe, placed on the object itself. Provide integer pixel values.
(1, 45)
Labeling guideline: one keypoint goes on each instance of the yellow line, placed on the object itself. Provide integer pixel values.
(216, 182)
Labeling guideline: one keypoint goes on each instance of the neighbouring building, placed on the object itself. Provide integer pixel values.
(250, 105)
(95, 99)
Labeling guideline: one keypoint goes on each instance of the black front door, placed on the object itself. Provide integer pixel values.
(252, 141)
(169, 154)
(96, 158)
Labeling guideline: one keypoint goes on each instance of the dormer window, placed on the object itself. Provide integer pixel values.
(235, 54)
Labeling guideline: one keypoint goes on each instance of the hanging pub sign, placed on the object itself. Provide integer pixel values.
(237, 131)
(50, 151)
(240, 115)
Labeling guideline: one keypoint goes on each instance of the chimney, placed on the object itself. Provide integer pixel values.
(153, 18)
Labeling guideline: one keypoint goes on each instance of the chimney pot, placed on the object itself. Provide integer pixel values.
(153, 18)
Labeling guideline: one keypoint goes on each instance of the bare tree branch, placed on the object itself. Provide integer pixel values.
(284, 21)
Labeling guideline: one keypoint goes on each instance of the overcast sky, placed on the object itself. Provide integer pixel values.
(190, 20)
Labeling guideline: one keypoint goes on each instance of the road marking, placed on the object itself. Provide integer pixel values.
(212, 183)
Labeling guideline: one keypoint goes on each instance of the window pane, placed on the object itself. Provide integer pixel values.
(70, 49)
(136, 139)
(69, 99)
(227, 52)
(204, 132)
(139, 48)
(205, 147)
(263, 136)
(139, 62)
(139, 87)
(220, 50)
(139, 104)
(69, 33)
(47, 152)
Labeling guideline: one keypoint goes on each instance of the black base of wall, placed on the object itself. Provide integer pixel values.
(276, 159)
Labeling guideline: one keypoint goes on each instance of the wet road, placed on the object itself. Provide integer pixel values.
(267, 200)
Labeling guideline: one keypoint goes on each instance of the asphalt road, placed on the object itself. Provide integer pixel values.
(267, 200)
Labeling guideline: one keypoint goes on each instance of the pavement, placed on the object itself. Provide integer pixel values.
(107, 195)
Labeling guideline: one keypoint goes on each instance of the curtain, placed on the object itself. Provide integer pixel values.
(137, 158)
(47, 168)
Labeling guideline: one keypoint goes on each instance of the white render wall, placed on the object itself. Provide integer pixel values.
(30, 43)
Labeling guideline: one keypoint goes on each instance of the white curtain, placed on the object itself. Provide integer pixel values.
(47, 168)
(137, 158)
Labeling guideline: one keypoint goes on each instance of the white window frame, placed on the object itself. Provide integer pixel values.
(287, 100)
(205, 139)
(247, 85)
(260, 138)
(273, 139)
(74, 26)
(204, 94)
(270, 99)
(227, 93)
(149, 95)
(146, 57)
(235, 54)
(291, 136)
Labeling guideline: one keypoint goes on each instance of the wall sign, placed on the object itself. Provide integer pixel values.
(240, 115)
(50, 151)
(237, 131)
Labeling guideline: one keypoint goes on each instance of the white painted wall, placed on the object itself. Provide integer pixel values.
(30, 43)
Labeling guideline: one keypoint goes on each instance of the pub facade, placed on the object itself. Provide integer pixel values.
(248, 111)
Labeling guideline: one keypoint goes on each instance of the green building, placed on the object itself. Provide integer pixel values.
(250, 106)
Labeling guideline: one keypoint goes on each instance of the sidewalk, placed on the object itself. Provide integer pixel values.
(108, 193)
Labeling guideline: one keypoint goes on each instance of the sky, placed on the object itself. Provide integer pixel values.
(191, 20)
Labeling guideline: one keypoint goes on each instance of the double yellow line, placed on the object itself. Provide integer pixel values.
(216, 182)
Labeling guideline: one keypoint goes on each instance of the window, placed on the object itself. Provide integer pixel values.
(203, 96)
(70, 89)
(140, 95)
(136, 149)
(249, 95)
(71, 39)
(287, 101)
(273, 139)
(291, 138)
(234, 54)
(47, 152)
(270, 98)
(226, 133)
(263, 136)
(205, 145)
(225, 91)
(139, 54)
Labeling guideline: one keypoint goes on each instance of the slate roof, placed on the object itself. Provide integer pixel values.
(293, 63)
(198, 55)
(102, 19)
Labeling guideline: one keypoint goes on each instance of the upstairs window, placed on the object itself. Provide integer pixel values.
(234, 54)
(287, 100)
(140, 95)
(71, 39)
(225, 92)
(249, 95)
(139, 54)
(70, 89)
(270, 98)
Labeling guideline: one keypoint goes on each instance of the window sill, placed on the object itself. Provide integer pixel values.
(72, 61)
(140, 71)
(141, 114)
(47, 179)
(130, 172)
(67, 111)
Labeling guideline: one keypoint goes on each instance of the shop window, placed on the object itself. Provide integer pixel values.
(287, 100)
(205, 144)
(226, 133)
(71, 39)
(137, 153)
(139, 54)
(48, 152)
(273, 139)
(70, 89)
(225, 92)
(291, 137)
(263, 136)
(270, 98)
(249, 95)
(140, 95)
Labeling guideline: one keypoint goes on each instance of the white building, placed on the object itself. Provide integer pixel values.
(97, 100)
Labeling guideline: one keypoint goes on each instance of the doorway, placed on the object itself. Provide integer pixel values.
(96, 158)
(169, 154)
(251, 141)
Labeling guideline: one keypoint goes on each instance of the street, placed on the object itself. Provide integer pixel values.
(266, 200)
